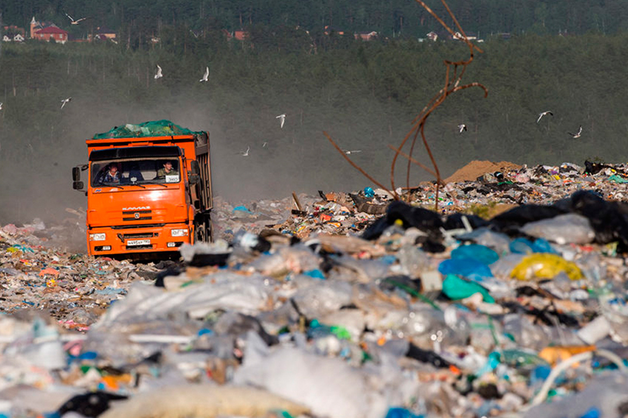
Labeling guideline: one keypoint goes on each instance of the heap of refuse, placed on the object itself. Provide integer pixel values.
(507, 301)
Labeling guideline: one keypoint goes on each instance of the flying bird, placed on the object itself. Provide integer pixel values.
(353, 152)
(282, 117)
(65, 101)
(547, 112)
(77, 21)
(0, 105)
(263, 145)
(205, 76)
(246, 153)
(577, 134)
(462, 127)
(159, 74)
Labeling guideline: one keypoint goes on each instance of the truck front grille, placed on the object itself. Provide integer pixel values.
(137, 215)
(124, 237)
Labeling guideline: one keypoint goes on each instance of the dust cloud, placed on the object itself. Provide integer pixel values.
(298, 157)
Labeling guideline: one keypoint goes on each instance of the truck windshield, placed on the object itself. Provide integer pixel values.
(135, 172)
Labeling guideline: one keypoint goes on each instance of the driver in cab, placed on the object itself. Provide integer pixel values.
(167, 170)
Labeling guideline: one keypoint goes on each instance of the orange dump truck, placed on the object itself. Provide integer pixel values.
(148, 189)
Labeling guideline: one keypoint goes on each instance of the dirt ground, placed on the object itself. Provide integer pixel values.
(475, 169)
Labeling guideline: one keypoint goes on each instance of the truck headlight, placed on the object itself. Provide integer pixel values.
(178, 232)
(97, 237)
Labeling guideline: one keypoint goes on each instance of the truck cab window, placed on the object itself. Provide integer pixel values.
(135, 172)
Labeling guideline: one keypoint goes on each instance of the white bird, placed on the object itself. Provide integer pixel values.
(75, 22)
(353, 152)
(547, 112)
(159, 74)
(577, 134)
(282, 117)
(462, 127)
(263, 145)
(0, 105)
(246, 153)
(205, 76)
(65, 101)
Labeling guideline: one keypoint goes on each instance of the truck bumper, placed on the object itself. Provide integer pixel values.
(138, 240)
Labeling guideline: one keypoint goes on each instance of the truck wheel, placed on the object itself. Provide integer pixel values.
(200, 234)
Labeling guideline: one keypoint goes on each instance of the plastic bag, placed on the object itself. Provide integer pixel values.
(570, 228)
(545, 266)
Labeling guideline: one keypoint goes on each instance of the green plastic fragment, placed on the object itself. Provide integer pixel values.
(456, 288)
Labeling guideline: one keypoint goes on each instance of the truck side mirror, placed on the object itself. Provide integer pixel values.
(195, 178)
(78, 185)
(195, 167)
(76, 174)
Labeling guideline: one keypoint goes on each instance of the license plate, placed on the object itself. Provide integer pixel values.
(133, 242)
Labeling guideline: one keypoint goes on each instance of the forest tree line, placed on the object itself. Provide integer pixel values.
(141, 19)
(364, 94)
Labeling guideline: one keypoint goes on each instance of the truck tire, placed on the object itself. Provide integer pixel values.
(200, 233)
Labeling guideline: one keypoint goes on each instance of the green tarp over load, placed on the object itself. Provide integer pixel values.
(151, 128)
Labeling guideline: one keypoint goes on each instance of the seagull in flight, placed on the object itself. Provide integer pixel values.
(352, 152)
(65, 101)
(282, 117)
(263, 145)
(205, 76)
(577, 134)
(462, 127)
(547, 112)
(0, 105)
(77, 21)
(159, 74)
(246, 153)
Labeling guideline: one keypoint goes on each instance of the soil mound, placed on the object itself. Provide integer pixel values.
(475, 169)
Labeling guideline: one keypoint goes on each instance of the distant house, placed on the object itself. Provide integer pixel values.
(52, 33)
(13, 34)
(470, 36)
(432, 36)
(240, 35)
(102, 34)
(366, 36)
(13, 38)
(227, 34)
(329, 30)
(105, 33)
(47, 31)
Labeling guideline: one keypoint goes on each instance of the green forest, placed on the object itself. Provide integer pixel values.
(364, 94)
(138, 19)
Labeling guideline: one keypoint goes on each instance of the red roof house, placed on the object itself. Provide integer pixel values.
(51, 33)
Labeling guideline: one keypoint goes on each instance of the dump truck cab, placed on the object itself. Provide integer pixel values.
(147, 193)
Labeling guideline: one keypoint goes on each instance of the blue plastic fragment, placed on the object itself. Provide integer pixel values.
(241, 209)
(315, 274)
(477, 252)
(395, 412)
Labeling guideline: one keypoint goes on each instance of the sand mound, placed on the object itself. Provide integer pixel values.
(475, 169)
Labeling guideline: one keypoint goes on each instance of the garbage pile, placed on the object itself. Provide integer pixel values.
(74, 288)
(358, 305)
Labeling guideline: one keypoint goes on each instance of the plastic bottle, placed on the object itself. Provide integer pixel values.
(413, 260)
